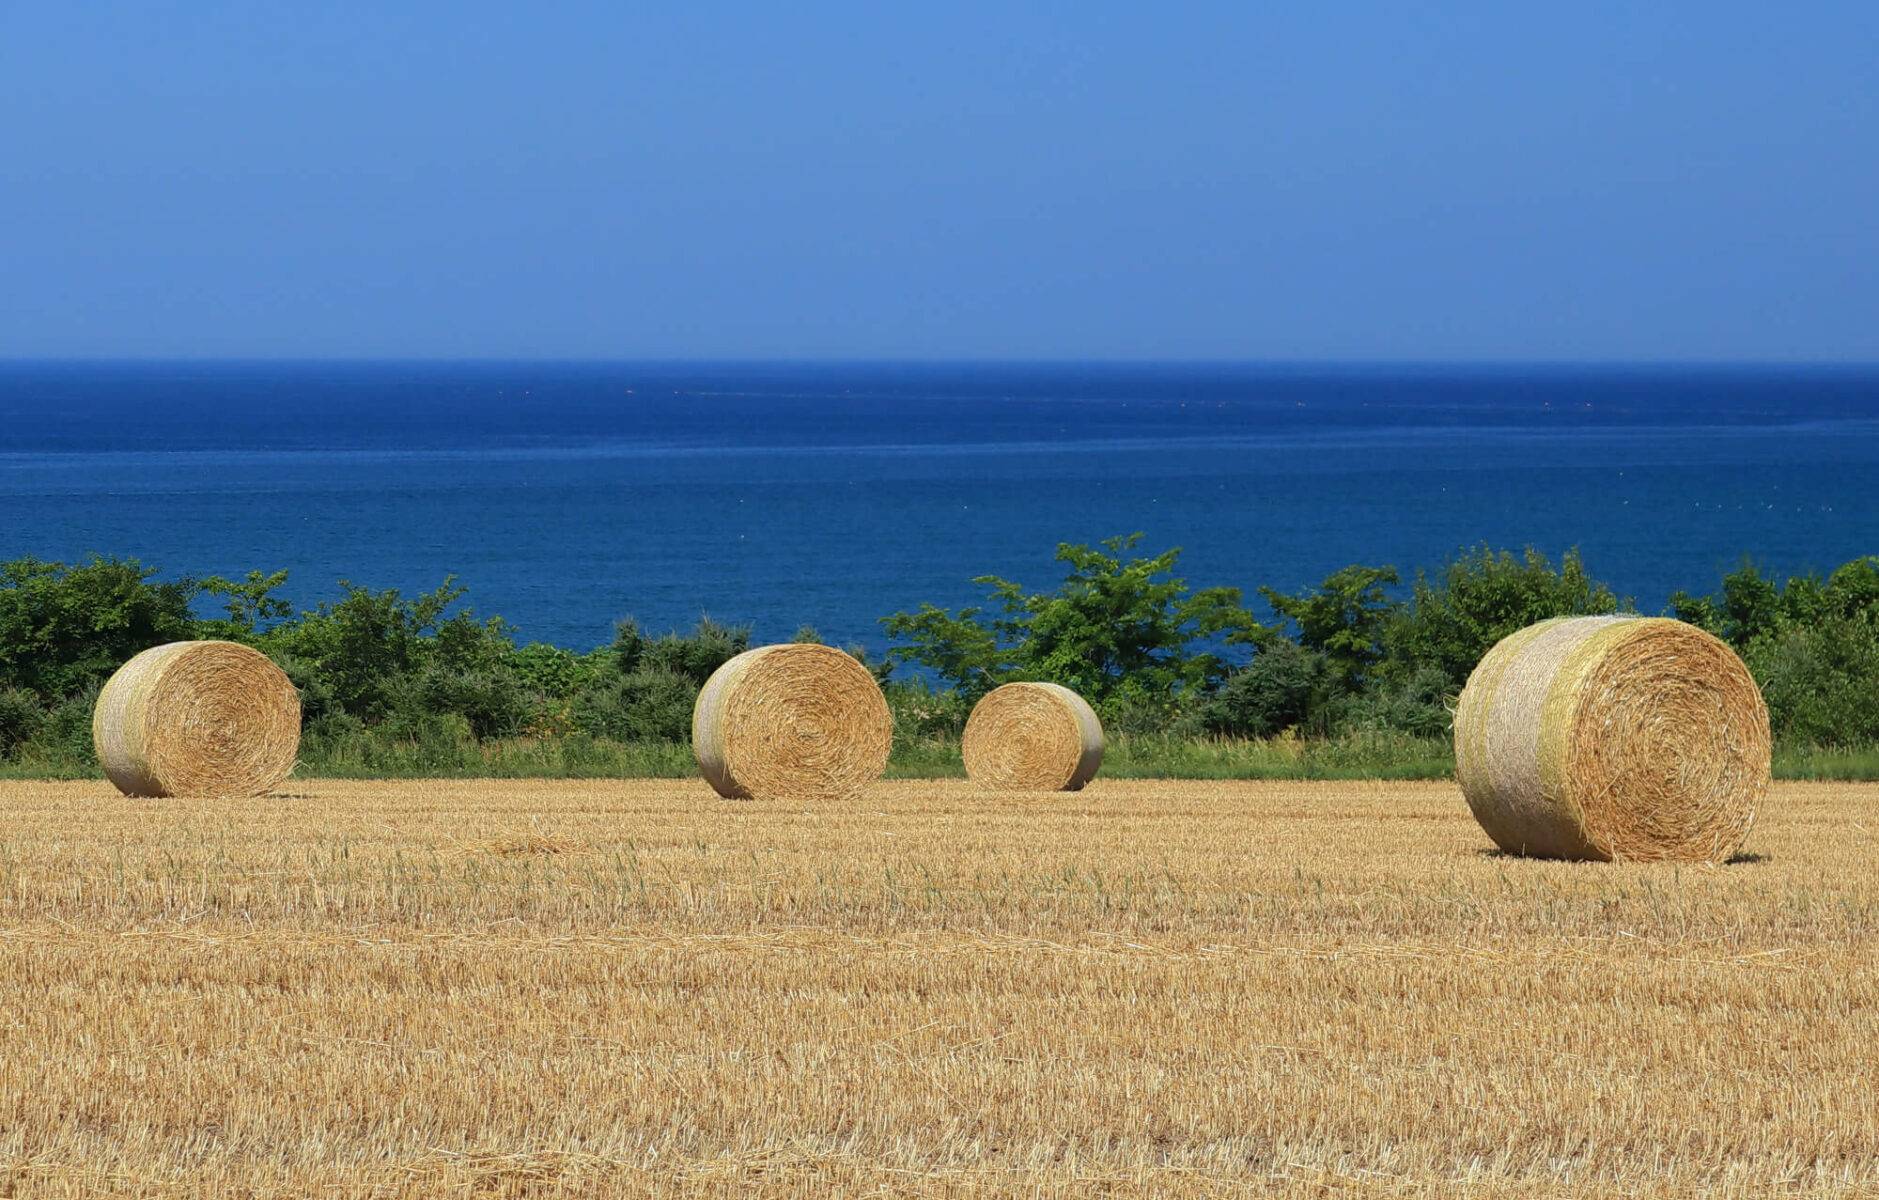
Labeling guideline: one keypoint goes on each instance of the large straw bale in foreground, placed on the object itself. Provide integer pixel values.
(793, 722)
(1033, 737)
(197, 719)
(1634, 738)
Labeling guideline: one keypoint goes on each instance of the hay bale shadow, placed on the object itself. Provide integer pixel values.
(1739, 859)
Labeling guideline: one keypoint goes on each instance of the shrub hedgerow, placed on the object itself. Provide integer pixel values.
(395, 682)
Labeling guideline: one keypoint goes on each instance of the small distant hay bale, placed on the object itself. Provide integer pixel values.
(791, 722)
(1037, 737)
(197, 719)
(1613, 738)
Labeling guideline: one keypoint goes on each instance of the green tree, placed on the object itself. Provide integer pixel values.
(1121, 629)
(1753, 606)
(1286, 686)
(363, 647)
(1812, 644)
(1344, 619)
(1750, 605)
(251, 605)
(1483, 596)
(964, 648)
(695, 656)
(65, 629)
(1853, 589)
(1821, 681)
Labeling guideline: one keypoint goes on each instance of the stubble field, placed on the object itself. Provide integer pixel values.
(570, 988)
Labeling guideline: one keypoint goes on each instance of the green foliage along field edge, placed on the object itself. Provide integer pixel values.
(1355, 678)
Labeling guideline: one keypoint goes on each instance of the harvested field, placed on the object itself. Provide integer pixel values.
(569, 988)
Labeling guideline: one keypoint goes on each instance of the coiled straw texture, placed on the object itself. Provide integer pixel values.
(792, 722)
(197, 719)
(1038, 737)
(1631, 738)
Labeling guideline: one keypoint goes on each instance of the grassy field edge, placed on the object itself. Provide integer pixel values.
(1382, 756)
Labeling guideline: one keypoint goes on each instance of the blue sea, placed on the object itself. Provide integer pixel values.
(566, 496)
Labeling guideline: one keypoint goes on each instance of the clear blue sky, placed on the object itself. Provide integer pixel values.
(1380, 181)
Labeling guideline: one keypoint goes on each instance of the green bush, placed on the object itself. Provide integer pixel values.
(491, 702)
(1186, 680)
(551, 671)
(694, 657)
(22, 714)
(330, 728)
(646, 705)
(1130, 711)
(1421, 705)
(66, 734)
(1483, 596)
(1821, 681)
(922, 711)
(1286, 686)
(426, 741)
(1120, 627)
(64, 629)
(317, 698)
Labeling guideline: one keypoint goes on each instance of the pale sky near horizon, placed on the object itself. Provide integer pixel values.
(1676, 181)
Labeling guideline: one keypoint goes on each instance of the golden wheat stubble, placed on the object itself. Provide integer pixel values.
(604, 987)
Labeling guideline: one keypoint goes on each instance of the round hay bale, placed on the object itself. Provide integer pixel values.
(197, 719)
(1631, 738)
(792, 722)
(1036, 737)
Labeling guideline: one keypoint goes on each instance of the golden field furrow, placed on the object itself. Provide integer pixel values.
(623, 987)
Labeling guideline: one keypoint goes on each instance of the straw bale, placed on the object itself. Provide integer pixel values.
(1033, 737)
(791, 722)
(197, 719)
(1636, 738)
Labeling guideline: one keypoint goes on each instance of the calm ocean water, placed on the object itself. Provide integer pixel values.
(566, 496)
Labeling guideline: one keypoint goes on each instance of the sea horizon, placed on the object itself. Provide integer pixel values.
(568, 494)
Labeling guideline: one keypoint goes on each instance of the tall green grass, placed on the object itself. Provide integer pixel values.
(1352, 756)
(1819, 762)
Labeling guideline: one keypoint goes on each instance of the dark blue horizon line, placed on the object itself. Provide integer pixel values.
(1277, 364)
